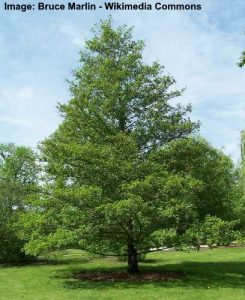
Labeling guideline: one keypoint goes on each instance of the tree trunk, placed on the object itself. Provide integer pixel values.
(132, 259)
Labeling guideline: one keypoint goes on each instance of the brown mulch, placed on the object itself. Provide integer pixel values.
(146, 276)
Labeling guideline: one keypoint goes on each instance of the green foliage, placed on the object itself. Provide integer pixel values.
(212, 231)
(111, 181)
(211, 167)
(217, 231)
(18, 176)
(167, 238)
(193, 237)
(240, 204)
(242, 60)
(10, 245)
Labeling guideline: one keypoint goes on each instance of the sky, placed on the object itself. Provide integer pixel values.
(200, 49)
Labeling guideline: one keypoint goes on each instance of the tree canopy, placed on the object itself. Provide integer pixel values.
(242, 60)
(215, 170)
(18, 177)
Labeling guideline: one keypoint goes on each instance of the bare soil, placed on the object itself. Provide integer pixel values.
(120, 276)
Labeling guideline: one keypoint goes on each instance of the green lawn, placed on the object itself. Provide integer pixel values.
(216, 274)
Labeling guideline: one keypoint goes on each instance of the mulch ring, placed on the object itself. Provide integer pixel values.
(120, 276)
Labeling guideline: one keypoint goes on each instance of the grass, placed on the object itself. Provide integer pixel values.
(210, 274)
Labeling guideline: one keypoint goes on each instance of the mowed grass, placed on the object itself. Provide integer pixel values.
(209, 274)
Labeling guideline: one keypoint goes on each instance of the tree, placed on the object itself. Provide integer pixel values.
(18, 176)
(211, 231)
(215, 170)
(240, 203)
(242, 60)
(215, 231)
(105, 191)
(240, 207)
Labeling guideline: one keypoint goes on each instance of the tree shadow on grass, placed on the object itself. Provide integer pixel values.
(196, 275)
(150, 260)
(48, 261)
(68, 261)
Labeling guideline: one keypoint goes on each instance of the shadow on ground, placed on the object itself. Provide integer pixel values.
(48, 261)
(196, 275)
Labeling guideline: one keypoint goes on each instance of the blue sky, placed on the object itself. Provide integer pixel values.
(39, 50)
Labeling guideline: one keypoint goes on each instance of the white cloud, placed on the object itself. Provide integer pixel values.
(75, 35)
(25, 114)
(25, 92)
(15, 121)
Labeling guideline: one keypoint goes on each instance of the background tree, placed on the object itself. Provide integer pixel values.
(242, 60)
(215, 170)
(109, 189)
(212, 231)
(215, 231)
(18, 176)
(240, 203)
